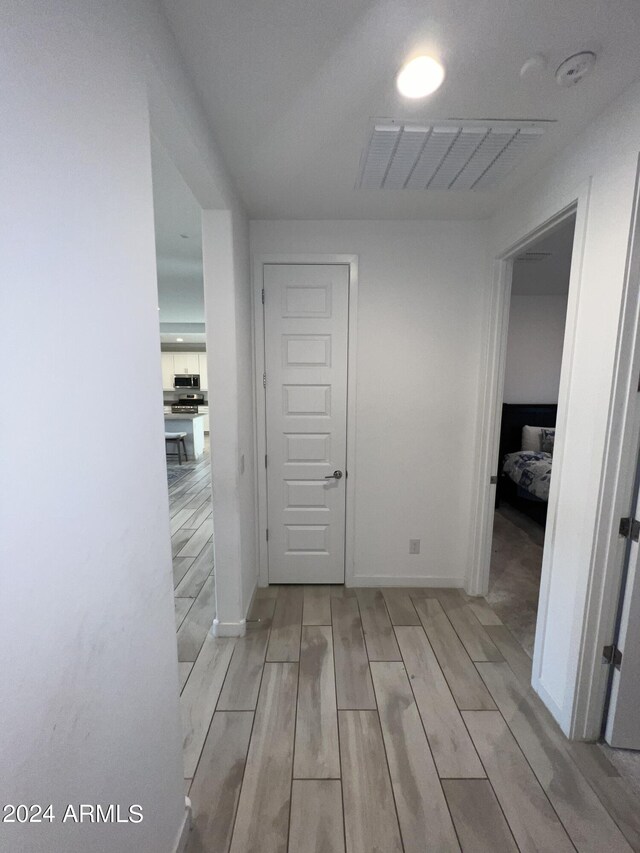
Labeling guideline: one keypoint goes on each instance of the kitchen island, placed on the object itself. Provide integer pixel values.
(193, 425)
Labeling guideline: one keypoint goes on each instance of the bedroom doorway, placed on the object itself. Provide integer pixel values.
(534, 345)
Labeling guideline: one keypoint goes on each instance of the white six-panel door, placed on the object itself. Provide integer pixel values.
(306, 309)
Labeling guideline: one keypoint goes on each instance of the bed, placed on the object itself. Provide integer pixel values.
(524, 470)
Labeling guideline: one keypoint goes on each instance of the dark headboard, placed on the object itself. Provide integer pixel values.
(517, 415)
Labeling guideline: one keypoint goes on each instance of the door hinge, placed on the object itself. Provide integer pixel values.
(264, 380)
(612, 655)
(267, 532)
(493, 480)
(265, 460)
(263, 295)
(630, 528)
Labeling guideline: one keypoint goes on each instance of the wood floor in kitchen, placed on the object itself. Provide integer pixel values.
(373, 721)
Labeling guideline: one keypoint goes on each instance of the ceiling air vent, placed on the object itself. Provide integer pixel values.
(444, 156)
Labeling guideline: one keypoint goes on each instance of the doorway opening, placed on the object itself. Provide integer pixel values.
(537, 311)
(185, 404)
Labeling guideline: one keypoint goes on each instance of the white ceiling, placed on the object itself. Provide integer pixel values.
(550, 275)
(179, 259)
(291, 87)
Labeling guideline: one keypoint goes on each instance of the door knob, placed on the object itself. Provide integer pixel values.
(337, 475)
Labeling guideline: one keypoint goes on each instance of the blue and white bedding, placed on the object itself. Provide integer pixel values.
(530, 470)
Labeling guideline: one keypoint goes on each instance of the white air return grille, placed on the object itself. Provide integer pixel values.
(379, 155)
(408, 149)
(447, 156)
(432, 155)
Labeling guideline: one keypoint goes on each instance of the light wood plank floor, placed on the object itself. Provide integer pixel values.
(192, 544)
(383, 721)
(371, 721)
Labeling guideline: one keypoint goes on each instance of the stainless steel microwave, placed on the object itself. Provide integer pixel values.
(186, 380)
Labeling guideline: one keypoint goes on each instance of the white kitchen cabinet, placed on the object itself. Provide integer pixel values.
(204, 385)
(183, 362)
(204, 410)
(167, 370)
(186, 362)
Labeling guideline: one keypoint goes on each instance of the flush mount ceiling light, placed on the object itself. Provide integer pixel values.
(179, 340)
(420, 77)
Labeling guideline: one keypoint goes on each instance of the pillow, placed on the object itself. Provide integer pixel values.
(547, 439)
(531, 438)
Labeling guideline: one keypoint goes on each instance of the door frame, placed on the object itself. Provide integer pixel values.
(258, 263)
(602, 581)
(490, 413)
(616, 491)
(494, 373)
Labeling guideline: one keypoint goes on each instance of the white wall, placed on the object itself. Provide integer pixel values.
(534, 348)
(606, 153)
(227, 290)
(422, 287)
(245, 456)
(89, 704)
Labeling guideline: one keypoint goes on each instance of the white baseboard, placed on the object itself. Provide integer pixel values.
(229, 629)
(183, 834)
(390, 580)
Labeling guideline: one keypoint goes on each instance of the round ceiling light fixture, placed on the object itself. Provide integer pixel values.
(179, 340)
(420, 77)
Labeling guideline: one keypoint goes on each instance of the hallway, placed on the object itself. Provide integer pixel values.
(385, 720)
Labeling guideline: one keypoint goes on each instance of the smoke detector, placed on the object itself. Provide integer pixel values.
(573, 69)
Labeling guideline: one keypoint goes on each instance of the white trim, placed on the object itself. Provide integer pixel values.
(582, 717)
(492, 380)
(581, 204)
(250, 600)
(229, 629)
(352, 363)
(614, 499)
(260, 421)
(258, 262)
(183, 833)
(550, 703)
(407, 581)
(490, 415)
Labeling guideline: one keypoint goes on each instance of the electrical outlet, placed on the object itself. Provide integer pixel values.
(414, 546)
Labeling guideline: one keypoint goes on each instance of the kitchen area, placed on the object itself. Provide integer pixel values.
(186, 405)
